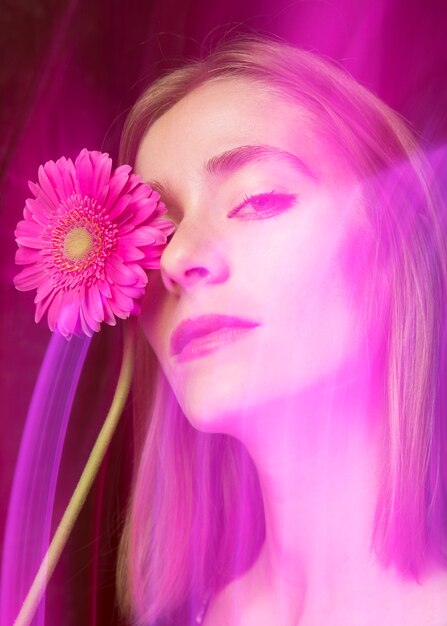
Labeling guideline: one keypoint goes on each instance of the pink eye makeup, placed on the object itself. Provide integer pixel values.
(263, 205)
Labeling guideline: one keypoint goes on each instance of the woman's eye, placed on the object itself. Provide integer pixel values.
(263, 205)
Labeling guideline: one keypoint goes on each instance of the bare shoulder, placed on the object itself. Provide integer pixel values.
(399, 601)
(430, 600)
(408, 603)
(239, 604)
(221, 606)
(396, 601)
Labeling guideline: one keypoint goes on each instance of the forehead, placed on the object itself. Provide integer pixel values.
(224, 115)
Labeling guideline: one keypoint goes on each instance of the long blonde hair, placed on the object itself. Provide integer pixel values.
(195, 517)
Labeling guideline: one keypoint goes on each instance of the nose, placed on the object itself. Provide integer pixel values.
(193, 257)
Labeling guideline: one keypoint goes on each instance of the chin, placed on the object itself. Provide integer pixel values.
(212, 413)
(207, 417)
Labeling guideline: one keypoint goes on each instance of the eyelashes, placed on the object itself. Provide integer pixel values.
(263, 205)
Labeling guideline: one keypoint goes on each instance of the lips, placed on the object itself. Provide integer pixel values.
(198, 327)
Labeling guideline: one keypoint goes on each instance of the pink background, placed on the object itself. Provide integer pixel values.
(70, 71)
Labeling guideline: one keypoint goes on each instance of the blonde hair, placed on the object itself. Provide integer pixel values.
(184, 536)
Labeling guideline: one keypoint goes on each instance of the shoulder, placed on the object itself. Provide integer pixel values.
(227, 606)
(216, 611)
(407, 603)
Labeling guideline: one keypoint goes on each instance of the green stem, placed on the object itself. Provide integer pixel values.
(82, 489)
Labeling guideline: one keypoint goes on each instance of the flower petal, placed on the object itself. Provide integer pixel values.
(25, 255)
(120, 303)
(119, 206)
(30, 278)
(101, 174)
(84, 173)
(139, 273)
(102, 195)
(143, 236)
(109, 317)
(116, 186)
(152, 263)
(152, 252)
(123, 169)
(68, 173)
(129, 252)
(28, 228)
(30, 242)
(37, 211)
(56, 179)
(34, 188)
(43, 290)
(130, 291)
(163, 224)
(141, 212)
(89, 320)
(94, 303)
(43, 305)
(69, 314)
(118, 272)
(46, 187)
(133, 182)
(104, 288)
(53, 310)
(84, 324)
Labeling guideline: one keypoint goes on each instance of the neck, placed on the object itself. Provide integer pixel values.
(317, 459)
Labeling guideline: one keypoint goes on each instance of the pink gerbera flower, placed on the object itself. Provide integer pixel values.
(86, 239)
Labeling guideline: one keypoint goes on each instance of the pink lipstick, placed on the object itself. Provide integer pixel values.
(198, 336)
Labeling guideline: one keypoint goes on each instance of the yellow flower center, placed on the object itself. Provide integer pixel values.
(77, 243)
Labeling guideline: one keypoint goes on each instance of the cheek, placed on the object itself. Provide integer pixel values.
(321, 298)
(364, 289)
(353, 272)
(153, 316)
(356, 266)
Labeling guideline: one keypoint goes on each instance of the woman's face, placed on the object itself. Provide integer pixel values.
(271, 228)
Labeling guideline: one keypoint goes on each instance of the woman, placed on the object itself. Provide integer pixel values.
(297, 323)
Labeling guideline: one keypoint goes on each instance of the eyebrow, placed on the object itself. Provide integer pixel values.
(232, 160)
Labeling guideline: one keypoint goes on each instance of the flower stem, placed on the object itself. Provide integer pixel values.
(82, 489)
